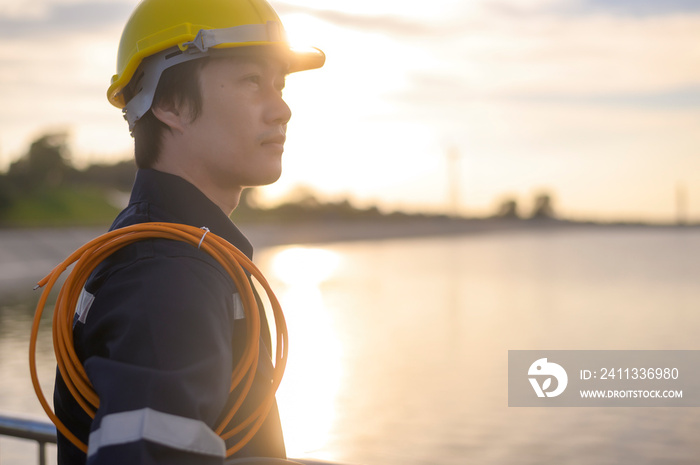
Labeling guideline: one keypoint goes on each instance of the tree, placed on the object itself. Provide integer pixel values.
(7, 194)
(543, 207)
(45, 165)
(508, 209)
(47, 159)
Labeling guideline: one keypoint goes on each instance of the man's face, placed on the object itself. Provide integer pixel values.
(239, 136)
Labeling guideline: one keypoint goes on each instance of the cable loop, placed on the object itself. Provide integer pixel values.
(87, 257)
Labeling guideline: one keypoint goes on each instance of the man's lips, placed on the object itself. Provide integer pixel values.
(278, 139)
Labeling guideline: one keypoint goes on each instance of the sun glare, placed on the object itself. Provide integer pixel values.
(304, 267)
(307, 394)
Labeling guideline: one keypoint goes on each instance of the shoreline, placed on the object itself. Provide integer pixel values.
(27, 255)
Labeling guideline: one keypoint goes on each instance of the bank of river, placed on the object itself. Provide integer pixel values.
(26, 255)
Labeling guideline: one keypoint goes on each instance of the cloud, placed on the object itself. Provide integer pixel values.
(564, 8)
(681, 98)
(392, 25)
(65, 19)
(639, 7)
(598, 60)
(453, 91)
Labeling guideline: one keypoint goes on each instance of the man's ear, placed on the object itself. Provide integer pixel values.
(174, 116)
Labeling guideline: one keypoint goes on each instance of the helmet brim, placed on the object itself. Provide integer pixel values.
(306, 59)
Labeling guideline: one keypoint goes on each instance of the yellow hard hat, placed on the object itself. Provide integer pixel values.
(162, 33)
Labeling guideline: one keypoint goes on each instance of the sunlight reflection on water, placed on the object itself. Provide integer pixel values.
(421, 330)
(313, 373)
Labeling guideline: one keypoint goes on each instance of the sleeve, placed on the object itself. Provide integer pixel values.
(158, 340)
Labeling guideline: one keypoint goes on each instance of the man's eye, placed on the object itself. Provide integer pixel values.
(255, 79)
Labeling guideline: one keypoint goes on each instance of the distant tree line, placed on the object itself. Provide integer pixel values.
(543, 209)
(46, 165)
(45, 170)
(303, 205)
(43, 185)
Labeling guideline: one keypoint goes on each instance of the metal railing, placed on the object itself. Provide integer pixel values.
(42, 432)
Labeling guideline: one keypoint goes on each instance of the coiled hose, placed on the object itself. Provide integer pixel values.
(87, 257)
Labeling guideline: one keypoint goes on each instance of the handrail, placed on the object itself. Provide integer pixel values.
(42, 432)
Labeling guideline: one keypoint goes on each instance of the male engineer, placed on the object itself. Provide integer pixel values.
(159, 326)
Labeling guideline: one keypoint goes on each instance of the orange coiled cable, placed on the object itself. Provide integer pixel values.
(87, 257)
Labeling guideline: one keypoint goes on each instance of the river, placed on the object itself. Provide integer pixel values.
(399, 348)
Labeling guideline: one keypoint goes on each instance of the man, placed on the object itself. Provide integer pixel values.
(159, 326)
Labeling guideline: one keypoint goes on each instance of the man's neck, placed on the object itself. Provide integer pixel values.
(226, 200)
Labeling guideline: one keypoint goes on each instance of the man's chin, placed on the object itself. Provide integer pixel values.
(266, 180)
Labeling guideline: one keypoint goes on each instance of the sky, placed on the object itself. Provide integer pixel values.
(595, 102)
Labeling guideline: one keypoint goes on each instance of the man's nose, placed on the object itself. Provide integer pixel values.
(279, 112)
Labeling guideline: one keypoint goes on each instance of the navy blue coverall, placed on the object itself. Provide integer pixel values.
(159, 329)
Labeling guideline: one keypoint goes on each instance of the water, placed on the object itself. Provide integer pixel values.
(398, 349)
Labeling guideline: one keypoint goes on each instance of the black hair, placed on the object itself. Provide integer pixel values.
(178, 86)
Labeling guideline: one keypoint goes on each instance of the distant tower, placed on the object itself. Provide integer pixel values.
(453, 180)
(681, 204)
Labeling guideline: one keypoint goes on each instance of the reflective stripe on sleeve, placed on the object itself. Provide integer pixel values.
(238, 311)
(147, 424)
(82, 308)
